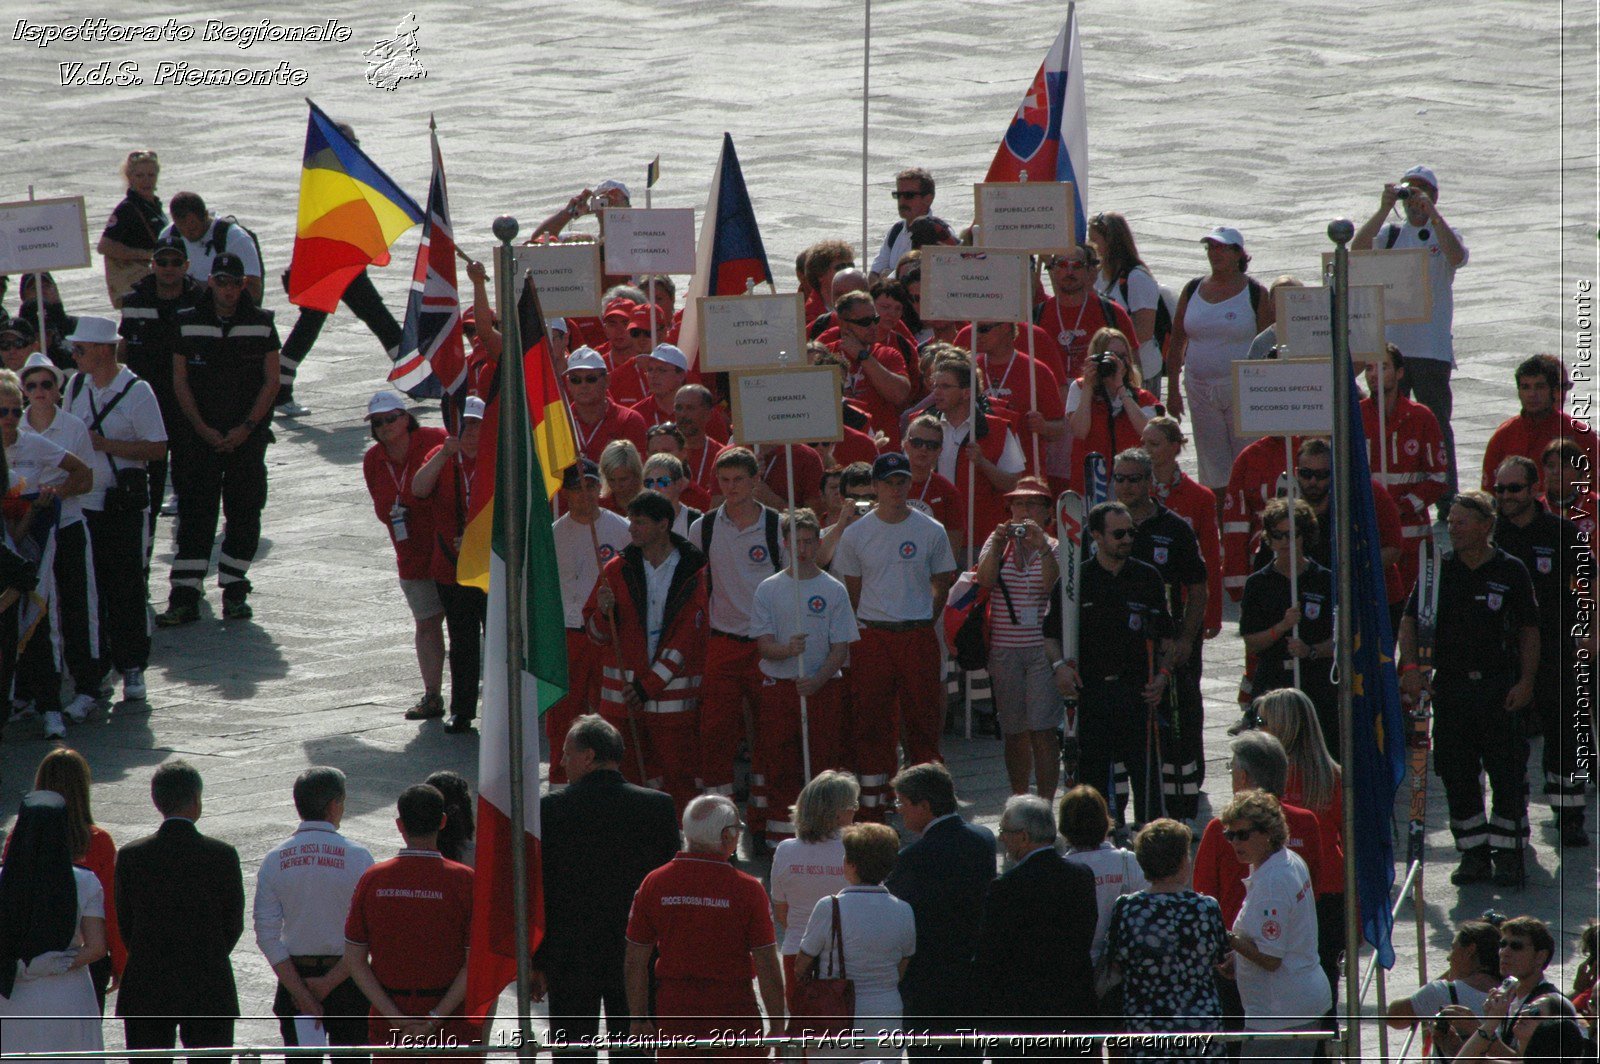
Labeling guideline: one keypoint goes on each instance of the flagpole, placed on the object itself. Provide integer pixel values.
(1294, 562)
(649, 183)
(513, 404)
(1340, 232)
(866, 69)
(972, 500)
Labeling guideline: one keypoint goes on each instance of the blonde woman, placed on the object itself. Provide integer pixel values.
(810, 866)
(129, 239)
(622, 472)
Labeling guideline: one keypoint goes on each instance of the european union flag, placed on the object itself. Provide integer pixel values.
(1377, 761)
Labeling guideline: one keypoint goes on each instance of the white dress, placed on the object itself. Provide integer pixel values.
(59, 1012)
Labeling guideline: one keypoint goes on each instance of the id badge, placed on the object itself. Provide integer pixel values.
(1028, 616)
(397, 522)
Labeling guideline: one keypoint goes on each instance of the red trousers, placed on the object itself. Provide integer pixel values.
(701, 1008)
(670, 750)
(583, 694)
(898, 695)
(780, 757)
(731, 681)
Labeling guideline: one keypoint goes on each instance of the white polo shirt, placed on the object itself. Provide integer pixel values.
(303, 892)
(1280, 914)
(575, 558)
(739, 559)
(69, 433)
(896, 564)
(134, 417)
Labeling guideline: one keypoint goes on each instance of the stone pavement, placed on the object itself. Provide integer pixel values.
(1276, 118)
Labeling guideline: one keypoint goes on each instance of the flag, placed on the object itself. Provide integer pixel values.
(1049, 134)
(350, 213)
(432, 361)
(521, 501)
(1377, 761)
(730, 251)
(550, 430)
(652, 172)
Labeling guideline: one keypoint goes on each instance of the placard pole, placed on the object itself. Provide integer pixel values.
(38, 299)
(652, 273)
(1382, 401)
(799, 613)
(866, 70)
(1294, 561)
(972, 499)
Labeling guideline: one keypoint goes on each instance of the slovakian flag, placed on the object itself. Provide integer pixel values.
(730, 252)
(1049, 134)
(551, 433)
(350, 214)
(524, 581)
(1377, 763)
(432, 360)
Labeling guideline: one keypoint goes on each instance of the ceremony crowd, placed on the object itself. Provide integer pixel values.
(766, 648)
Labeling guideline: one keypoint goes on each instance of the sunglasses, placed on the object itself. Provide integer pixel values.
(1119, 533)
(10, 411)
(1510, 489)
(862, 498)
(13, 345)
(584, 378)
(897, 194)
(1240, 835)
(469, 331)
(139, 156)
(170, 260)
(1313, 474)
(389, 418)
(924, 443)
(45, 385)
(1128, 478)
(660, 482)
(225, 281)
(862, 322)
(636, 333)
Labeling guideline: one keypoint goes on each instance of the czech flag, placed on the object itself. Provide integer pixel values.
(730, 252)
(1049, 134)
(350, 214)
(431, 360)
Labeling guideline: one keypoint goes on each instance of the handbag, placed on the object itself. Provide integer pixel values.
(816, 998)
(130, 494)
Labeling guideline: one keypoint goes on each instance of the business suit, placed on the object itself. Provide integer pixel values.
(1032, 958)
(599, 838)
(180, 904)
(942, 876)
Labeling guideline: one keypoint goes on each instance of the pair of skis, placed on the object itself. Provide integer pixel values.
(1071, 513)
(1418, 718)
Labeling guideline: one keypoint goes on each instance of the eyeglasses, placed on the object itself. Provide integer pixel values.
(862, 322)
(660, 482)
(43, 385)
(1279, 536)
(636, 333)
(140, 156)
(13, 345)
(897, 194)
(1513, 945)
(1510, 489)
(1240, 835)
(389, 418)
(1305, 473)
(169, 261)
(224, 281)
(1128, 478)
(924, 443)
(1069, 264)
(1119, 533)
(584, 378)
(10, 411)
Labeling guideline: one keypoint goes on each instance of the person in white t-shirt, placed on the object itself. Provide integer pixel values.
(1274, 937)
(586, 537)
(810, 866)
(897, 565)
(1472, 971)
(803, 626)
(198, 228)
(1085, 820)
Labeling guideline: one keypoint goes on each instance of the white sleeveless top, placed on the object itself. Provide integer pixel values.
(1219, 334)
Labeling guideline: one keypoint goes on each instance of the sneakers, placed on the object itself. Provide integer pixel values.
(178, 613)
(23, 709)
(133, 688)
(459, 725)
(1475, 867)
(1507, 868)
(237, 609)
(170, 507)
(77, 711)
(55, 726)
(286, 405)
(428, 707)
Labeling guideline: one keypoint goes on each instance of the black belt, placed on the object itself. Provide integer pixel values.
(730, 635)
(898, 626)
(427, 991)
(315, 964)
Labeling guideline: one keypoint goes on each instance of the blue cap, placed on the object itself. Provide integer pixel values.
(892, 464)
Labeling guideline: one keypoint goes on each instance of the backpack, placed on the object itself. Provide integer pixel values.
(1166, 307)
(708, 527)
(219, 239)
(1257, 291)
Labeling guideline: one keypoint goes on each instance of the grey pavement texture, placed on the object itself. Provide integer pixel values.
(1276, 118)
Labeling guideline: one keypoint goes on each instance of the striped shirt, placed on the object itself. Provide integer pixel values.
(1029, 599)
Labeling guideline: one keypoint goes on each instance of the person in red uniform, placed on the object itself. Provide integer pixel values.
(1414, 452)
(931, 493)
(667, 438)
(1106, 408)
(389, 466)
(630, 382)
(1076, 311)
(616, 320)
(597, 419)
(1569, 484)
(1251, 484)
(1023, 390)
(997, 456)
(651, 603)
(692, 409)
(820, 262)
(1191, 500)
(1542, 386)
(666, 369)
(875, 373)
(408, 930)
(712, 927)
(773, 487)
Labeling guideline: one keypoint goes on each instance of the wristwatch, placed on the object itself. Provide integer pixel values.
(250, 424)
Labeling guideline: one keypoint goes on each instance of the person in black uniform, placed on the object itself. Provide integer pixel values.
(1122, 609)
(225, 377)
(130, 234)
(149, 340)
(1485, 659)
(1163, 539)
(1279, 629)
(1550, 547)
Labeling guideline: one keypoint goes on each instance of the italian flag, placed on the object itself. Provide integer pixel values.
(532, 444)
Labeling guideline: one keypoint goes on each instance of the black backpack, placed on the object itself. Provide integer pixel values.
(219, 240)
(708, 527)
(1164, 309)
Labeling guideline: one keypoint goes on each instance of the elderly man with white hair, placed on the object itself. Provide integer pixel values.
(713, 927)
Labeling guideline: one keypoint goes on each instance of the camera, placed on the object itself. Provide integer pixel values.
(1402, 192)
(863, 507)
(1019, 531)
(1104, 363)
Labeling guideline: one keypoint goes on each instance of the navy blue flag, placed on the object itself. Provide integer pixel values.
(1379, 754)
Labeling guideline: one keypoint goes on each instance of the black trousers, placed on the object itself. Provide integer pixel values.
(118, 539)
(158, 495)
(162, 1032)
(236, 483)
(362, 298)
(1567, 756)
(465, 611)
(76, 602)
(1473, 734)
(576, 997)
(1183, 759)
(344, 1017)
(1112, 727)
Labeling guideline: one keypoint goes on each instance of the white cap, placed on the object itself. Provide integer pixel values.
(39, 360)
(587, 357)
(92, 329)
(384, 402)
(556, 325)
(1225, 234)
(671, 356)
(608, 185)
(1424, 174)
(473, 408)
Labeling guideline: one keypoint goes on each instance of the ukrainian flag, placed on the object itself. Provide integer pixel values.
(350, 214)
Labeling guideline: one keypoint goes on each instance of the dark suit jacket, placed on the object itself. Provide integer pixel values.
(599, 838)
(942, 876)
(1033, 948)
(180, 904)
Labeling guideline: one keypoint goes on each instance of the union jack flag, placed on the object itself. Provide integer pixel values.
(432, 361)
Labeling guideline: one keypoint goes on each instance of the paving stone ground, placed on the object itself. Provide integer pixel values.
(1276, 118)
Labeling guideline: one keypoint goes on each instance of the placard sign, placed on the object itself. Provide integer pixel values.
(751, 331)
(1034, 216)
(649, 241)
(47, 234)
(1305, 322)
(975, 284)
(1282, 397)
(566, 275)
(1407, 293)
(779, 406)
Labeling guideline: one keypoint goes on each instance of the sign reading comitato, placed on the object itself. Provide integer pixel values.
(648, 241)
(751, 331)
(1291, 397)
(47, 234)
(1305, 322)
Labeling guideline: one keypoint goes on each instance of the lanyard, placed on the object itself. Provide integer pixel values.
(1061, 325)
(585, 437)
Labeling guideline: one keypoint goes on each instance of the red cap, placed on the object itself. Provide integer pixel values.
(641, 318)
(623, 307)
